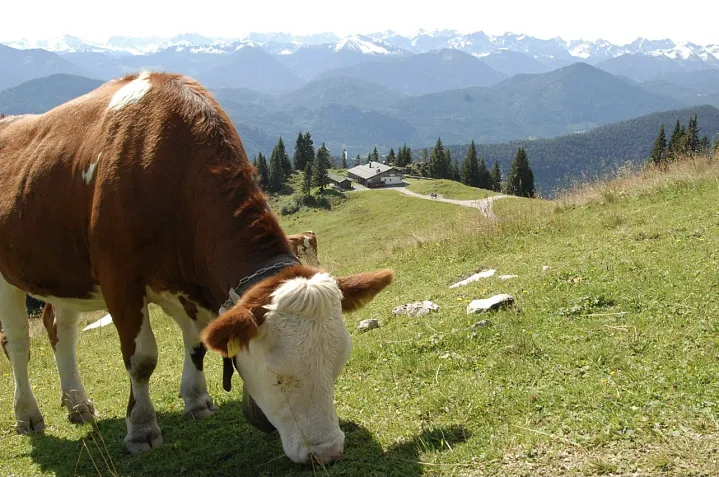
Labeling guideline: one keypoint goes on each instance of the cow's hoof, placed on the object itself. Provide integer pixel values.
(82, 413)
(144, 440)
(201, 409)
(30, 423)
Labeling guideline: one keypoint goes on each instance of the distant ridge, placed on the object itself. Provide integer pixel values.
(558, 161)
(42, 94)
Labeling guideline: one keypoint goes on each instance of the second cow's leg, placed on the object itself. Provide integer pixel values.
(61, 326)
(193, 387)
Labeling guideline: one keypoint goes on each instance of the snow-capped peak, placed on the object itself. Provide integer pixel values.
(686, 51)
(362, 45)
(64, 43)
(390, 42)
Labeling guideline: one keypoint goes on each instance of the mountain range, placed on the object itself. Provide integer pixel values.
(384, 89)
(314, 56)
(356, 114)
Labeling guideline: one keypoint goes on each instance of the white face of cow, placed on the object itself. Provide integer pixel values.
(291, 366)
(290, 362)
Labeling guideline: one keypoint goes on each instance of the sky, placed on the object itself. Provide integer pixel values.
(618, 21)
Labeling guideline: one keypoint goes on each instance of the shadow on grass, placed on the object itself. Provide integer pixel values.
(226, 445)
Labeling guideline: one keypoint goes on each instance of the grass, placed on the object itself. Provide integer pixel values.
(372, 226)
(448, 189)
(606, 365)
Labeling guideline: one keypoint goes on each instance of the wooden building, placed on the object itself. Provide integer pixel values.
(374, 174)
(340, 182)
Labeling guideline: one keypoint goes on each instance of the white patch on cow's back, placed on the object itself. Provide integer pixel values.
(132, 92)
(89, 173)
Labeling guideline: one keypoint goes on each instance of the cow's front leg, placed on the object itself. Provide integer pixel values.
(16, 344)
(139, 351)
(61, 326)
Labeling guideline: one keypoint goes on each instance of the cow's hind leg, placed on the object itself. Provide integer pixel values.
(139, 352)
(17, 347)
(193, 387)
(61, 326)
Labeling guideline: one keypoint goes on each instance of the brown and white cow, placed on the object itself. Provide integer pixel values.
(140, 192)
(304, 246)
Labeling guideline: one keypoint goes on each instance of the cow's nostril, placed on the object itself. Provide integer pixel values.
(330, 455)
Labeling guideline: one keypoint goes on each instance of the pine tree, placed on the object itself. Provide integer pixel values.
(692, 137)
(298, 158)
(404, 156)
(705, 145)
(455, 170)
(391, 158)
(284, 159)
(659, 150)
(521, 179)
(263, 174)
(673, 148)
(322, 163)
(276, 173)
(343, 163)
(358, 160)
(484, 176)
(470, 167)
(438, 164)
(449, 163)
(309, 148)
(307, 180)
(496, 177)
(373, 156)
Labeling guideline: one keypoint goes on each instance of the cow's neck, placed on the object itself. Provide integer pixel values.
(240, 234)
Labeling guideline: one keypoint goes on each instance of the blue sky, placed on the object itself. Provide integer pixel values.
(613, 20)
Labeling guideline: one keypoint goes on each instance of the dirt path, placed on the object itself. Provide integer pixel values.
(485, 205)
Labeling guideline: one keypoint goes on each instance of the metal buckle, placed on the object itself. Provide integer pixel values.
(235, 297)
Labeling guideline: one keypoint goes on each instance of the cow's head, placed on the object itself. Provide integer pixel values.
(290, 343)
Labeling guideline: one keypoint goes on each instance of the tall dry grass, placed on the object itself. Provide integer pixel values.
(641, 179)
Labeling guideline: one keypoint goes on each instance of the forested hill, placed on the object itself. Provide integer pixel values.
(556, 162)
(42, 94)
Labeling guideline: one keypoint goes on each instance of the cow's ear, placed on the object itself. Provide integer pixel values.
(361, 288)
(231, 332)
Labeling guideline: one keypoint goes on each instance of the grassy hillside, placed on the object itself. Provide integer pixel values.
(606, 365)
(448, 189)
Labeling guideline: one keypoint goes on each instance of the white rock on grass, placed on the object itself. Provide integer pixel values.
(104, 321)
(488, 304)
(481, 324)
(546, 268)
(418, 308)
(366, 325)
(474, 278)
(507, 277)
